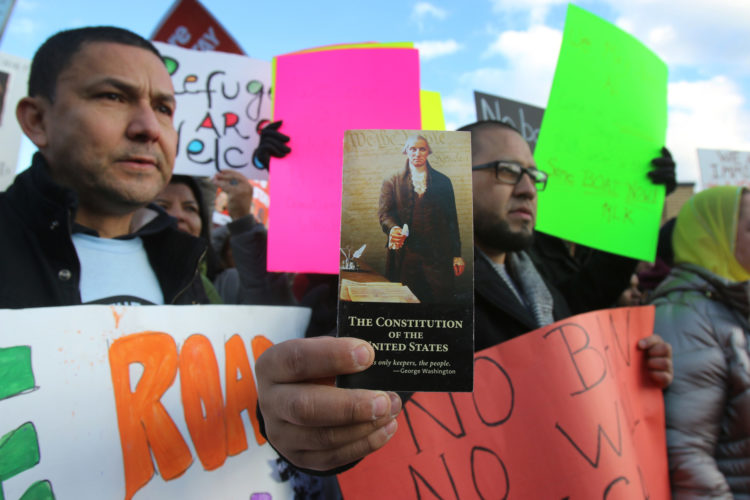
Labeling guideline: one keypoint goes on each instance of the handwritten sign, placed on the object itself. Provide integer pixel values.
(140, 402)
(524, 117)
(319, 95)
(721, 167)
(562, 412)
(605, 121)
(221, 101)
(14, 73)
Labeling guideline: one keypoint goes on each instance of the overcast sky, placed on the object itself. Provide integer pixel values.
(503, 47)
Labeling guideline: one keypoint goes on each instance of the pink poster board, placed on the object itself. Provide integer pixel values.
(319, 95)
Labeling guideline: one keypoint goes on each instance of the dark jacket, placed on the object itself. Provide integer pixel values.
(591, 280)
(498, 314)
(249, 283)
(39, 266)
(440, 239)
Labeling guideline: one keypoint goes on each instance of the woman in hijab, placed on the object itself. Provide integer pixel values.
(702, 311)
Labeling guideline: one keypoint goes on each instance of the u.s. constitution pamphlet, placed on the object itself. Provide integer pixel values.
(407, 258)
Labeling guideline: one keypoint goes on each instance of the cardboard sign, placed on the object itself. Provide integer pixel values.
(566, 411)
(221, 101)
(139, 402)
(14, 75)
(319, 95)
(525, 117)
(720, 167)
(188, 24)
(605, 121)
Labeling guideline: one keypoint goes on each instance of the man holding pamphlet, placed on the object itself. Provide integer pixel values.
(325, 428)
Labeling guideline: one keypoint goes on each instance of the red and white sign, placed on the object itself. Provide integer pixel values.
(190, 25)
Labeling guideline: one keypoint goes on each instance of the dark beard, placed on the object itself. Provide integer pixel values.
(498, 236)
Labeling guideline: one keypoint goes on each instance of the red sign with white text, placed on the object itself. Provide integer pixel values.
(190, 25)
(566, 411)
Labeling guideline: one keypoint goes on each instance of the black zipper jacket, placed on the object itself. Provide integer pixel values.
(39, 266)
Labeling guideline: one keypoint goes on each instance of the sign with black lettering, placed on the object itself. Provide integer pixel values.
(525, 117)
(566, 411)
(223, 101)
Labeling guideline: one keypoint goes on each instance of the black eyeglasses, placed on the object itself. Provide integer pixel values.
(510, 172)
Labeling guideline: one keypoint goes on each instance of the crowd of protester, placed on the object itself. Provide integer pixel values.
(99, 218)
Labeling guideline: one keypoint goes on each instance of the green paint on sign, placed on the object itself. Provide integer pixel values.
(254, 86)
(16, 375)
(41, 490)
(605, 121)
(19, 451)
(171, 64)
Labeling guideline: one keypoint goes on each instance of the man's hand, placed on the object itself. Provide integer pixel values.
(458, 266)
(658, 359)
(396, 238)
(239, 192)
(317, 426)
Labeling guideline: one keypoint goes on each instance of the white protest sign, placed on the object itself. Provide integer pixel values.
(14, 74)
(721, 167)
(137, 402)
(221, 100)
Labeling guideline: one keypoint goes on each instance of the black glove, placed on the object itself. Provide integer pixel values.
(272, 143)
(663, 170)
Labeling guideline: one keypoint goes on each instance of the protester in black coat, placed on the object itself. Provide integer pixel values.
(511, 296)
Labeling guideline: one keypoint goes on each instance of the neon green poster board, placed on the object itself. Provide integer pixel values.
(605, 121)
(432, 110)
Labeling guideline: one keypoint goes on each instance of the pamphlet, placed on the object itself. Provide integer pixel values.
(406, 273)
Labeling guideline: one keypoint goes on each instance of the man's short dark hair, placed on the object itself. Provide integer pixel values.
(485, 124)
(57, 51)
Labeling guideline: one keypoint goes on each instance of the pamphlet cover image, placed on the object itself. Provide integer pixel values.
(406, 262)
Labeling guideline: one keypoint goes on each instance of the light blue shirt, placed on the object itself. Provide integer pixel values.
(116, 271)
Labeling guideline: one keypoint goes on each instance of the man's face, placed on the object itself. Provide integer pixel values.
(417, 153)
(108, 134)
(504, 214)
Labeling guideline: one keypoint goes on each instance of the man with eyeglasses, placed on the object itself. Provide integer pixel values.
(328, 429)
(511, 297)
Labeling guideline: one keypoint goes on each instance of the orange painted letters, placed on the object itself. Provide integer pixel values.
(142, 419)
(241, 395)
(201, 390)
(216, 430)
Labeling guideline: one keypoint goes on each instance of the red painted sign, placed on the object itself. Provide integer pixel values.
(566, 411)
(190, 25)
